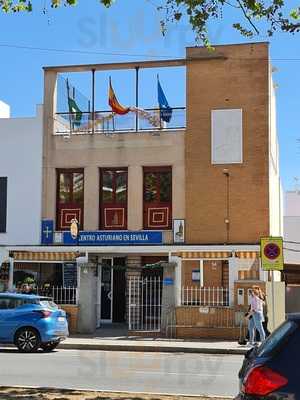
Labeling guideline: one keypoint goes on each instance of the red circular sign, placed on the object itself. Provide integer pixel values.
(272, 251)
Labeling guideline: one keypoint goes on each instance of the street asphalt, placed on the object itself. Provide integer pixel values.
(174, 373)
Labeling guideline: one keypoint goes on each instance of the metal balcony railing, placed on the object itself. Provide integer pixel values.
(107, 122)
(60, 294)
(205, 296)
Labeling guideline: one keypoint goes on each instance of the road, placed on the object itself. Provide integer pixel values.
(176, 373)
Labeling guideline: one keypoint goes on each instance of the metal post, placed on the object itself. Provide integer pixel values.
(136, 97)
(129, 305)
(93, 101)
(273, 301)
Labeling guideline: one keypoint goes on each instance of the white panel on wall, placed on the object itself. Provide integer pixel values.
(226, 136)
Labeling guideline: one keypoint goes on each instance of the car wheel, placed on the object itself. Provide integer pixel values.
(47, 347)
(27, 340)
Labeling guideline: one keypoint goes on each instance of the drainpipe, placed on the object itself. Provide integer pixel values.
(11, 274)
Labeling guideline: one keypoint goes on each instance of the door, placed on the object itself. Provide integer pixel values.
(7, 320)
(106, 289)
(119, 291)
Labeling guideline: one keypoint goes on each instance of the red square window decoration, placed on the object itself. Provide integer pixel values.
(158, 217)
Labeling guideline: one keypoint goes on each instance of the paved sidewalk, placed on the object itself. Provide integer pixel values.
(85, 342)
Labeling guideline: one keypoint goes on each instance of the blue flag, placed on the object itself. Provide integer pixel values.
(165, 109)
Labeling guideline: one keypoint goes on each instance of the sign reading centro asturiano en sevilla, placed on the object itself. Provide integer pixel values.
(99, 238)
(110, 238)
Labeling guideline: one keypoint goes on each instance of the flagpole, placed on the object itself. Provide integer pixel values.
(68, 94)
(93, 101)
(136, 97)
(160, 124)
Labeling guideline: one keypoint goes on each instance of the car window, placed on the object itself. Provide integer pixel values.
(277, 338)
(7, 303)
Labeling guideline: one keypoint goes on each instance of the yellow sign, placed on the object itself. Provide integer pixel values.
(271, 249)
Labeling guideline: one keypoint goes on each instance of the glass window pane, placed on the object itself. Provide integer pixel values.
(165, 186)
(274, 341)
(65, 186)
(121, 186)
(150, 187)
(78, 187)
(107, 186)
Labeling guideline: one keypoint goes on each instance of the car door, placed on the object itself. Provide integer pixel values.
(7, 320)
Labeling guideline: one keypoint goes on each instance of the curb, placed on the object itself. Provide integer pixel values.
(150, 349)
(147, 395)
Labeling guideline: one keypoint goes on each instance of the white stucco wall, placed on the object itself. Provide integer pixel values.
(4, 110)
(275, 188)
(292, 227)
(21, 163)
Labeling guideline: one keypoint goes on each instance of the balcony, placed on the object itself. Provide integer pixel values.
(106, 122)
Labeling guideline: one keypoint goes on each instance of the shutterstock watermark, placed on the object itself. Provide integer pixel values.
(106, 32)
(153, 372)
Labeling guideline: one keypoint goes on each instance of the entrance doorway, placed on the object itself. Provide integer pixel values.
(111, 293)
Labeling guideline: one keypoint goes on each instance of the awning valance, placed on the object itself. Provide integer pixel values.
(204, 254)
(247, 254)
(217, 254)
(44, 256)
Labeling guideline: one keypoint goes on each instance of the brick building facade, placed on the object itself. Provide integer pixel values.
(213, 169)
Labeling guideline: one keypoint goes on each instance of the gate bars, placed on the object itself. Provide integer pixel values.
(144, 311)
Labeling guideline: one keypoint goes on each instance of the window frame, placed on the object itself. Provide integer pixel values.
(72, 171)
(157, 170)
(113, 203)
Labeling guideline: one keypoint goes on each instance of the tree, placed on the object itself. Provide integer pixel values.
(275, 13)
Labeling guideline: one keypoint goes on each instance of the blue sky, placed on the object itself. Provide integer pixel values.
(131, 27)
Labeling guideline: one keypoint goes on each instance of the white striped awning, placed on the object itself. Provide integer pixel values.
(204, 254)
(247, 254)
(44, 256)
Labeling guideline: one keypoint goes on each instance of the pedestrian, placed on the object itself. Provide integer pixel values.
(263, 296)
(256, 314)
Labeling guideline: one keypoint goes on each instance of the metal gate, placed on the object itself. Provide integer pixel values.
(144, 311)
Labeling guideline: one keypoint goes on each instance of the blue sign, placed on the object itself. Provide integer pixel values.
(168, 281)
(47, 231)
(111, 238)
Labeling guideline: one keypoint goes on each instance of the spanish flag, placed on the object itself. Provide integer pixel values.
(113, 102)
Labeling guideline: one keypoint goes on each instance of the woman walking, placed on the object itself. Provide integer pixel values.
(257, 298)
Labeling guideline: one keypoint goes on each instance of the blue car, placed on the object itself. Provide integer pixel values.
(31, 322)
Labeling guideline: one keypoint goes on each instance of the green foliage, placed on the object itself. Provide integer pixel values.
(28, 281)
(274, 13)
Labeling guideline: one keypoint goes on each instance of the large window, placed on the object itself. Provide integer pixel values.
(3, 204)
(113, 198)
(70, 197)
(157, 198)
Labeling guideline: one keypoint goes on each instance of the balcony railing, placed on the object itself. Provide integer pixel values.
(60, 294)
(205, 296)
(106, 122)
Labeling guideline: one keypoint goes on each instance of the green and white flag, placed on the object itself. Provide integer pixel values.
(74, 109)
